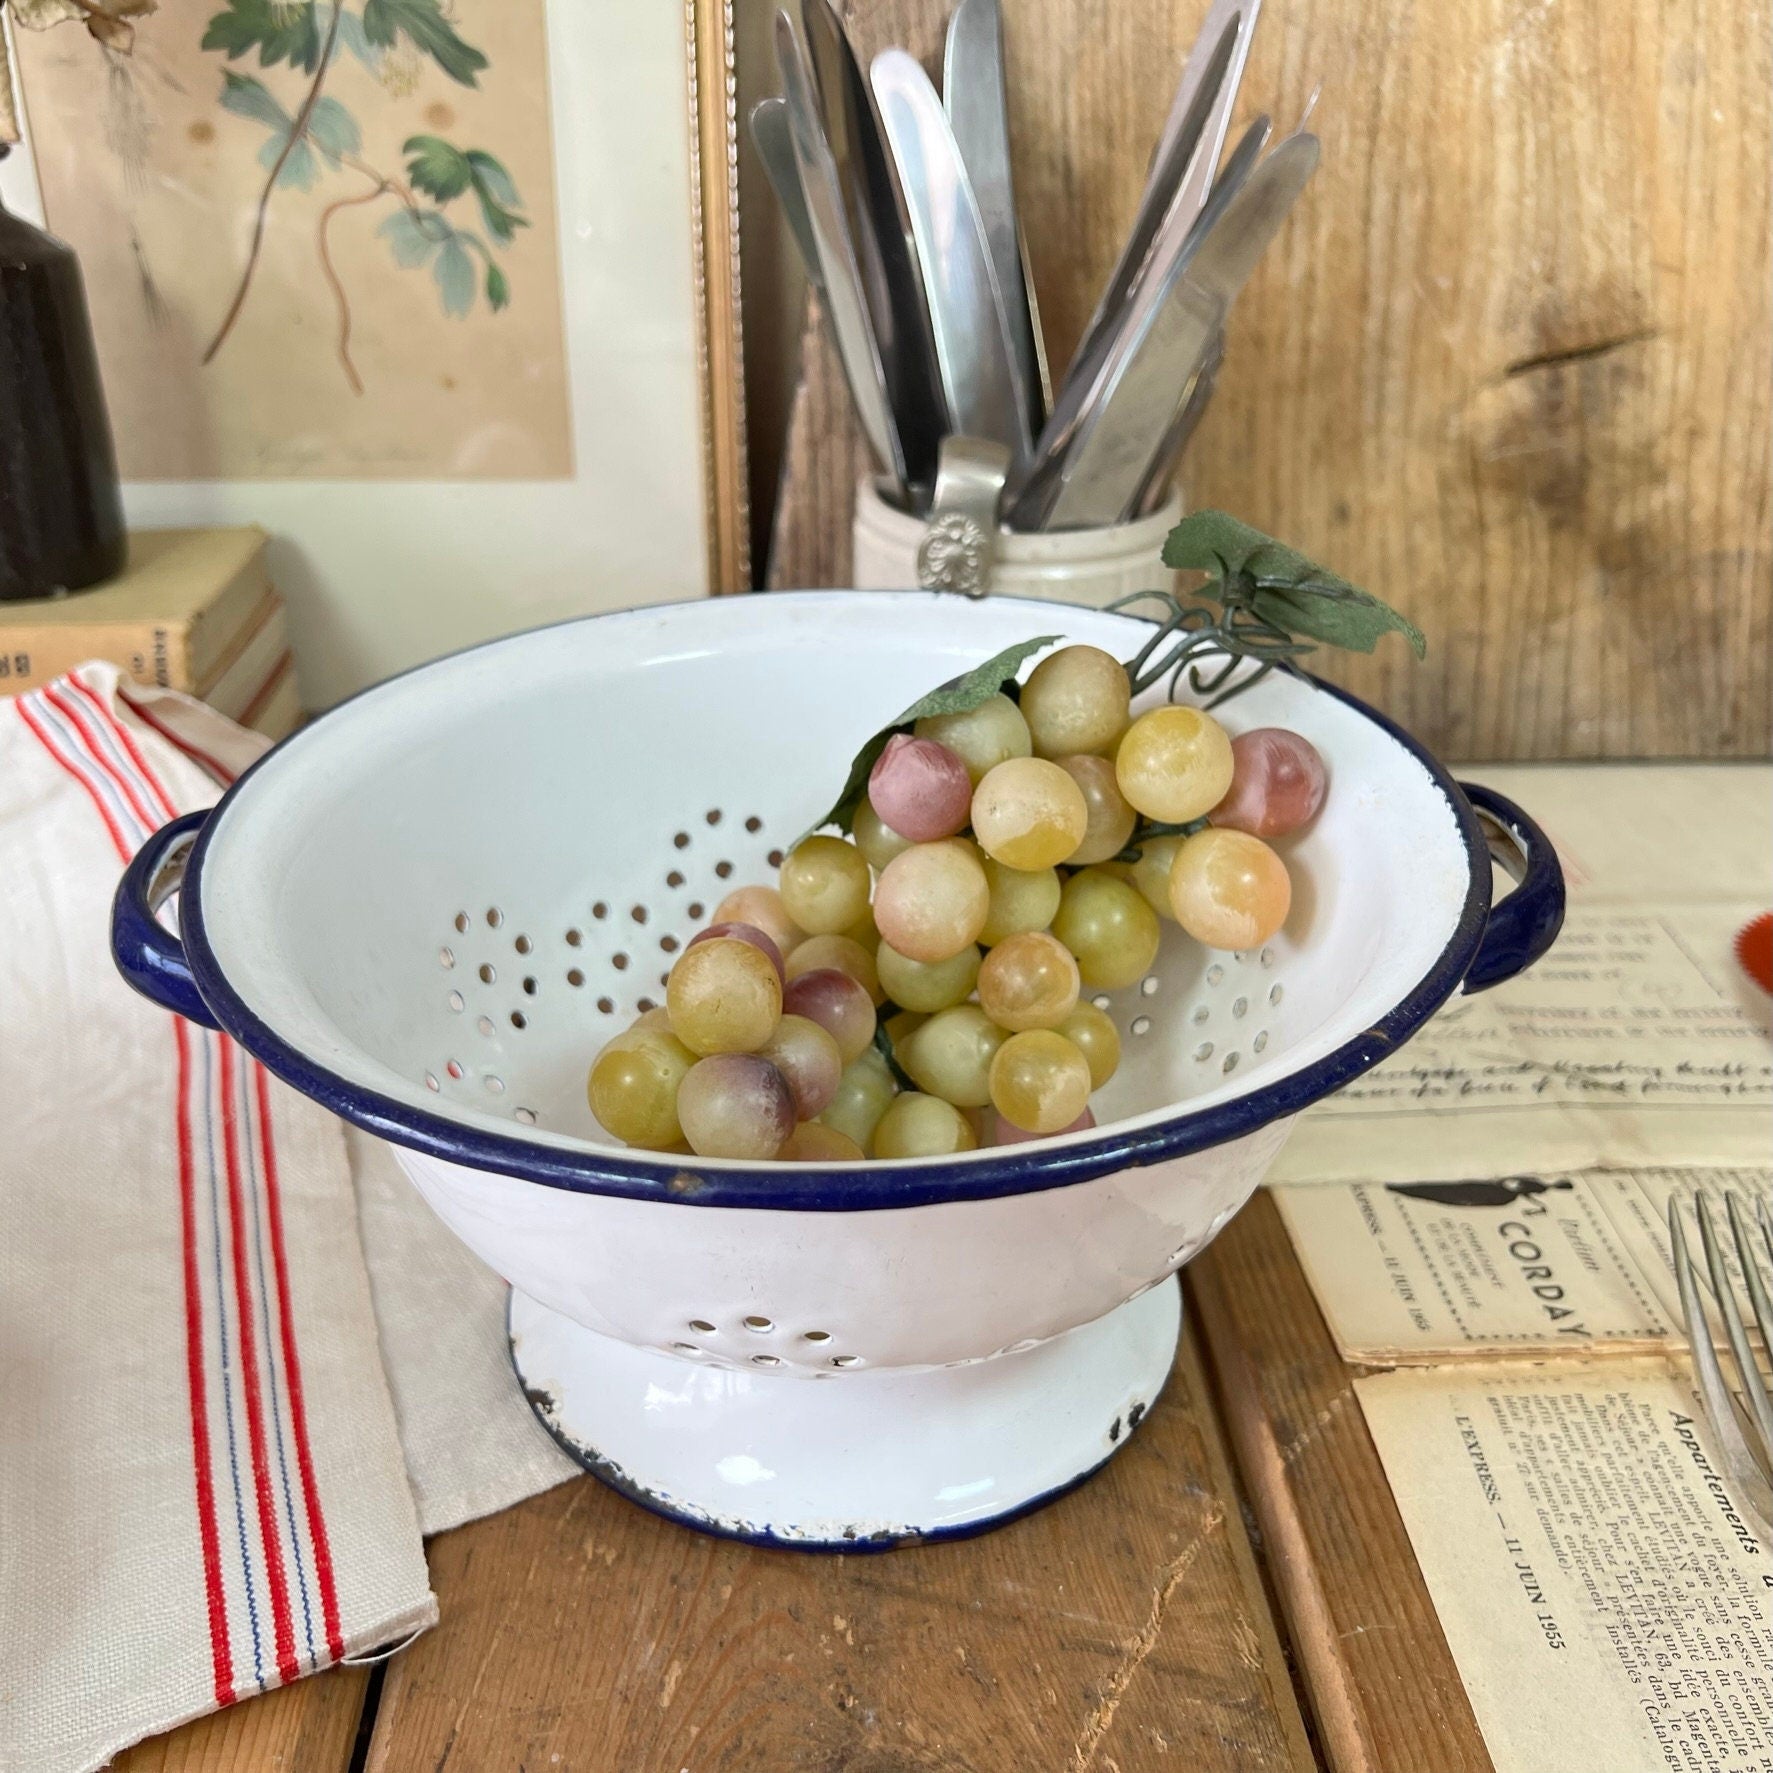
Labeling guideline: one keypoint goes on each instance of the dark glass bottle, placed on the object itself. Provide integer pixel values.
(61, 511)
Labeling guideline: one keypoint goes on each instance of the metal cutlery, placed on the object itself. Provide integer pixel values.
(1200, 177)
(773, 136)
(837, 272)
(974, 96)
(1743, 1427)
(1196, 395)
(880, 228)
(982, 384)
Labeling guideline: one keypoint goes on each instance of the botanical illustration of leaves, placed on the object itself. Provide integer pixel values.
(496, 191)
(436, 167)
(423, 24)
(299, 171)
(352, 39)
(960, 695)
(250, 98)
(412, 237)
(498, 291)
(332, 129)
(454, 271)
(278, 31)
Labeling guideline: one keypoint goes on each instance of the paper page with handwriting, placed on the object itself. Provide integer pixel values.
(1607, 1601)
(1420, 1272)
(1638, 1041)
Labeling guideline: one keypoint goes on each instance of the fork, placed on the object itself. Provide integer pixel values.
(1743, 1426)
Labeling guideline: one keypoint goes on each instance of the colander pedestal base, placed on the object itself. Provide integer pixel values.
(858, 1459)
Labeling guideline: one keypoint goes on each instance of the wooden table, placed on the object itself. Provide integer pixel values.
(1234, 1591)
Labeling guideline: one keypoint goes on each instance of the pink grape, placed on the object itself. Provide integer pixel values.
(1277, 783)
(838, 1004)
(1006, 1132)
(745, 932)
(920, 789)
(735, 1105)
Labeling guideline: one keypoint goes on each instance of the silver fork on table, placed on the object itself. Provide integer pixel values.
(1741, 1416)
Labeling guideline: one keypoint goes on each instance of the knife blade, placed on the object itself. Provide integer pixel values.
(981, 384)
(772, 135)
(1107, 466)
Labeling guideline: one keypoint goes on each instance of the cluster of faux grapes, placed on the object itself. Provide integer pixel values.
(1003, 861)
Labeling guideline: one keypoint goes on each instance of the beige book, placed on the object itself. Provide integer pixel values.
(243, 676)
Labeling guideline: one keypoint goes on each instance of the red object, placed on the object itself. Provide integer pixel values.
(1754, 948)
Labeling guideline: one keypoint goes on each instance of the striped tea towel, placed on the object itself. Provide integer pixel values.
(202, 1493)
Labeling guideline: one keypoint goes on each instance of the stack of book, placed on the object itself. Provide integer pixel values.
(194, 610)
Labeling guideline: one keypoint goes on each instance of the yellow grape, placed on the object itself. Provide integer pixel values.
(1021, 899)
(1109, 927)
(1093, 1033)
(735, 1105)
(915, 1125)
(1040, 1082)
(812, 1142)
(1075, 700)
(808, 1057)
(1110, 819)
(927, 986)
(723, 996)
(825, 884)
(1174, 764)
(762, 908)
(863, 932)
(1028, 813)
(863, 1093)
(982, 737)
(901, 1027)
(950, 1055)
(1028, 981)
(930, 902)
(1151, 873)
(634, 1083)
(876, 839)
(1229, 890)
(843, 952)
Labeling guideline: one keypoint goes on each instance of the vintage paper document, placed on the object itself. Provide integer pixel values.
(1637, 1041)
(1608, 1602)
(1423, 1272)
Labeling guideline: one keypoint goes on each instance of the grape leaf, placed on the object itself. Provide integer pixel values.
(436, 167)
(1282, 585)
(957, 696)
(422, 23)
(278, 31)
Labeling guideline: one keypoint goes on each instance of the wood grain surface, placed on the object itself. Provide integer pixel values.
(1510, 364)
(1381, 1683)
(1123, 1630)
(308, 1728)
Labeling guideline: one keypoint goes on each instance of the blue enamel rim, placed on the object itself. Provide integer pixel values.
(856, 1188)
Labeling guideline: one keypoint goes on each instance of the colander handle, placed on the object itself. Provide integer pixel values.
(147, 953)
(1525, 923)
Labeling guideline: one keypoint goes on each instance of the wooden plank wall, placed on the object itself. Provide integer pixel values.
(1509, 364)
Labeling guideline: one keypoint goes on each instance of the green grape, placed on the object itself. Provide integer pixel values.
(812, 1142)
(1151, 873)
(735, 1105)
(723, 996)
(1109, 819)
(930, 903)
(863, 1093)
(982, 737)
(1021, 899)
(950, 1055)
(1028, 981)
(634, 1083)
(915, 1125)
(1028, 813)
(1174, 764)
(915, 985)
(825, 884)
(1040, 1082)
(844, 953)
(1109, 927)
(809, 1059)
(1093, 1033)
(877, 840)
(1075, 700)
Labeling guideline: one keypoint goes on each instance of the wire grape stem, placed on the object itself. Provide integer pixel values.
(1188, 635)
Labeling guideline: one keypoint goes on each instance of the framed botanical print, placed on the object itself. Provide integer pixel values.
(441, 292)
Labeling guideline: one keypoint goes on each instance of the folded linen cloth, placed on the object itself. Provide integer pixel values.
(200, 1467)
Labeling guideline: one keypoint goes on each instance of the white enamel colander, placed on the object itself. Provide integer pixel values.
(431, 907)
